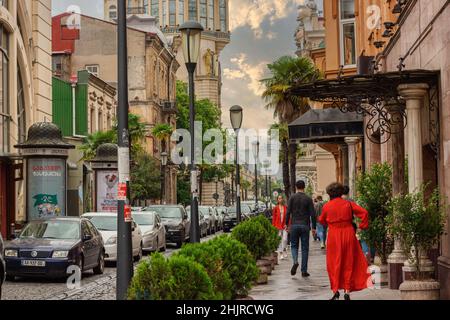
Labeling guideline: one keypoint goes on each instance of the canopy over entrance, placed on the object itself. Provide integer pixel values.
(326, 126)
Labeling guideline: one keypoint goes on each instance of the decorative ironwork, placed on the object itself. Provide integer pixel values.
(366, 95)
(433, 116)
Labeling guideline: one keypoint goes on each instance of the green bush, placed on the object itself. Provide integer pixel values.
(238, 262)
(177, 278)
(254, 236)
(273, 239)
(211, 260)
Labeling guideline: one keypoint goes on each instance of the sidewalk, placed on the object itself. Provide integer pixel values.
(282, 286)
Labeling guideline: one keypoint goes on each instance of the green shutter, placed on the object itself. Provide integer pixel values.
(62, 106)
(82, 109)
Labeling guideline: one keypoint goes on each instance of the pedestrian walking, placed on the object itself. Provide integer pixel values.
(300, 221)
(279, 221)
(321, 229)
(346, 265)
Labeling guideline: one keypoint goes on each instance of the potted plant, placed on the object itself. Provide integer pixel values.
(418, 223)
(374, 189)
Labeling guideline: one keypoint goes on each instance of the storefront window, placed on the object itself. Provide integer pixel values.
(5, 116)
(347, 32)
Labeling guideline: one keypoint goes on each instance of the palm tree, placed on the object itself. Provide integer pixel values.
(162, 132)
(93, 141)
(286, 73)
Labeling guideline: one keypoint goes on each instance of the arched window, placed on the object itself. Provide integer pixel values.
(113, 12)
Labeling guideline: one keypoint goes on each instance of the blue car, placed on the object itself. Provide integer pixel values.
(48, 248)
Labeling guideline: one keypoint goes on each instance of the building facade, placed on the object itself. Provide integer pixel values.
(26, 95)
(152, 71)
(170, 14)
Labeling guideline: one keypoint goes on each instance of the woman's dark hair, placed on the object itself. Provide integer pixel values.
(346, 190)
(335, 190)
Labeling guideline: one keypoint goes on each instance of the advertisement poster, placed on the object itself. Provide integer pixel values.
(46, 188)
(107, 183)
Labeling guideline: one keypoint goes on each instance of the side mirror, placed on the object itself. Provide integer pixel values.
(87, 237)
(185, 217)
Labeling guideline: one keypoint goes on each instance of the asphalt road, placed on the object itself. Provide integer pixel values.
(93, 287)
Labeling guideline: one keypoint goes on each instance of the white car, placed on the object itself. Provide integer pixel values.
(153, 231)
(106, 224)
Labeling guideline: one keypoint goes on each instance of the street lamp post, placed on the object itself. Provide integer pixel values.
(236, 116)
(124, 247)
(266, 166)
(191, 38)
(216, 180)
(164, 159)
(256, 154)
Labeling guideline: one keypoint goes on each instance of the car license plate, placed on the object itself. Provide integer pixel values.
(33, 263)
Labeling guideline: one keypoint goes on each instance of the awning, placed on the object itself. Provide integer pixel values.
(326, 126)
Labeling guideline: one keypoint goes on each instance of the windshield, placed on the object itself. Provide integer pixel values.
(145, 219)
(204, 211)
(105, 223)
(231, 212)
(52, 230)
(246, 209)
(167, 212)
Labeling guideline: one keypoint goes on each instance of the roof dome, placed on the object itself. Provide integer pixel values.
(45, 135)
(106, 152)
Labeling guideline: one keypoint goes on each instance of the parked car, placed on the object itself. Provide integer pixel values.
(204, 224)
(153, 231)
(246, 212)
(49, 247)
(106, 223)
(206, 214)
(176, 222)
(2, 267)
(230, 219)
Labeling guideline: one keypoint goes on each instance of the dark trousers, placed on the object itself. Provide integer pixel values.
(300, 233)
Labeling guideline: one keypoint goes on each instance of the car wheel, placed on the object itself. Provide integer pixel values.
(100, 268)
(179, 244)
(139, 256)
(10, 278)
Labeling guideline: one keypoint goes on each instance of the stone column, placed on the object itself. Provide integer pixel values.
(344, 164)
(397, 150)
(414, 96)
(352, 144)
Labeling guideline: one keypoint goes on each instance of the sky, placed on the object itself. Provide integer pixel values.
(261, 32)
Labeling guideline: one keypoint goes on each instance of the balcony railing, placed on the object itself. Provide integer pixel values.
(215, 34)
(136, 10)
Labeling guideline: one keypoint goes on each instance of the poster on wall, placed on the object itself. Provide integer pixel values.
(107, 183)
(46, 188)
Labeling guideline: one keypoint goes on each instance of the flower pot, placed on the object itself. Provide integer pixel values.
(420, 290)
(271, 259)
(380, 275)
(275, 256)
(262, 279)
(265, 266)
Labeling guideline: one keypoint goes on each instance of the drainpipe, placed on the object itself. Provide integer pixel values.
(74, 108)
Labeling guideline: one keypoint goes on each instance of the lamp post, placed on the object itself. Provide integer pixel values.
(266, 167)
(256, 154)
(191, 37)
(124, 247)
(216, 180)
(164, 159)
(236, 116)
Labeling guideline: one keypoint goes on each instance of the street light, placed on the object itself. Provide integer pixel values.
(164, 159)
(266, 166)
(236, 116)
(124, 246)
(256, 154)
(191, 38)
(216, 195)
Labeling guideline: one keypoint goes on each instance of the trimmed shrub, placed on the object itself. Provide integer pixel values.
(238, 262)
(177, 278)
(254, 236)
(273, 240)
(211, 260)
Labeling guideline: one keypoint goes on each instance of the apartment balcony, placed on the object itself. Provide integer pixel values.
(136, 10)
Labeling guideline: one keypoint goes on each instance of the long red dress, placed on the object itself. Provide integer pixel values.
(346, 264)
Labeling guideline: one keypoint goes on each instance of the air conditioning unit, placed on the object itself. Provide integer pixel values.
(169, 106)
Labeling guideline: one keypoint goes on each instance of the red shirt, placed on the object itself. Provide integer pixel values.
(279, 221)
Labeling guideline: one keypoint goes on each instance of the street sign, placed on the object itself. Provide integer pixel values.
(128, 217)
(122, 192)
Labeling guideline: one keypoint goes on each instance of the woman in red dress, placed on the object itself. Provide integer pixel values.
(346, 264)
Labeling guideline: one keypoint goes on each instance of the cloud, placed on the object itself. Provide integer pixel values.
(245, 70)
(253, 13)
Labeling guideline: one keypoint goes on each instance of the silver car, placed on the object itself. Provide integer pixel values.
(209, 215)
(2, 266)
(153, 231)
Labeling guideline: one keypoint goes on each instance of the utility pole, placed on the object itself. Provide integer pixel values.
(124, 246)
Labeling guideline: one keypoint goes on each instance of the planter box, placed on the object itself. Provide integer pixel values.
(272, 261)
(265, 266)
(420, 290)
(380, 273)
(262, 279)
